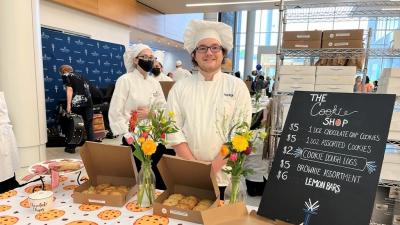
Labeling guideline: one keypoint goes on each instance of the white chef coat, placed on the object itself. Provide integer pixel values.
(162, 77)
(132, 90)
(200, 106)
(180, 74)
(9, 157)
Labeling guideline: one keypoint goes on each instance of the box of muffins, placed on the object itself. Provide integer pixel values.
(191, 189)
(112, 175)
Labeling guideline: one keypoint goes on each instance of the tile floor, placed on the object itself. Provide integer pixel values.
(390, 169)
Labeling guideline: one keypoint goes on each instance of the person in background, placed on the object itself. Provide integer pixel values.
(237, 74)
(79, 100)
(268, 85)
(357, 84)
(9, 156)
(158, 71)
(375, 86)
(136, 91)
(260, 83)
(249, 78)
(368, 87)
(180, 73)
(170, 75)
(202, 102)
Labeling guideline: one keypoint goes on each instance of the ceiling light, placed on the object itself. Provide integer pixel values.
(390, 9)
(231, 3)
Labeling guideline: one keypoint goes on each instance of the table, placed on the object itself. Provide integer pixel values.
(14, 207)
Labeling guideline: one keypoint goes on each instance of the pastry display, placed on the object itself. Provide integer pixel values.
(187, 202)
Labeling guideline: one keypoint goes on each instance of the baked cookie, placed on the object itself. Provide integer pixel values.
(70, 187)
(89, 207)
(50, 215)
(134, 207)
(183, 206)
(37, 187)
(81, 222)
(191, 202)
(109, 214)
(8, 220)
(63, 178)
(8, 194)
(4, 208)
(176, 196)
(200, 207)
(152, 220)
(170, 202)
(205, 202)
(25, 203)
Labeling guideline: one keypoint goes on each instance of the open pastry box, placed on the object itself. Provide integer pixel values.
(236, 214)
(189, 178)
(107, 165)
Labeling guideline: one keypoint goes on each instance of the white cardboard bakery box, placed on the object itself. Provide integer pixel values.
(189, 178)
(336, 71)
(109, 164)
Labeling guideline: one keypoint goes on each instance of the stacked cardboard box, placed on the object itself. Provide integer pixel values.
(342, 38)
(335, 78)
(296, 78)
(302, 39)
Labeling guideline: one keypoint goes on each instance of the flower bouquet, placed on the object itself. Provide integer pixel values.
(238, 145)
(147, 134)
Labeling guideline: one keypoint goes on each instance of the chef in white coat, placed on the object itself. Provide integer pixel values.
(204, 101)
(180, 73)
(158, 69)
(136, 91)
(9, 157)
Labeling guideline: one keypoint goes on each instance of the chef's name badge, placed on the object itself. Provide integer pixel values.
(228, 95)
(156, 94)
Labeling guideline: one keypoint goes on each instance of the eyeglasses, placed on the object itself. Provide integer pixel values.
(203, 49)
(146, 58)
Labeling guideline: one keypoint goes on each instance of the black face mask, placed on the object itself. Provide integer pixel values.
(146, 65)
(156, 71)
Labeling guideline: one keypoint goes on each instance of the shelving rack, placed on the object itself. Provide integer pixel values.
(304, 11)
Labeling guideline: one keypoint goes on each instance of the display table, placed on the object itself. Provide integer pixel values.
(14, 209)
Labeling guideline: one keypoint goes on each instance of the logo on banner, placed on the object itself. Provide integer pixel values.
(106, 47)
(55, 68)
(96, 71)
(53, 47)
(85, 51)
(46, 58)
(56, 88)
(100, 79)
(80, 61)
(45, 36)
(76, 52)
(78, 71)
(115, 49)
(58, 39)
(89, 45)
(98, 45)
(87, 70)
(98, 62)
(69, 40)
(107, 80)
(64, 50)
(95, 54)
(119, 72)
(48, 79)
(118, 56)
(111, 55)
(70, 59)
(49, 100)
(106, 63)
(79, 42)
(104, 55)
(112, 71)
(91, 63)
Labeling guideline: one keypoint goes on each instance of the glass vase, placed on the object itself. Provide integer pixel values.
(147, 185)
(235, 191)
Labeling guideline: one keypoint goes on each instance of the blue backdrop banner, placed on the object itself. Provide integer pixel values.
(98, 61)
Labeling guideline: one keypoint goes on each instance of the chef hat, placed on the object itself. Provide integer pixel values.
(159, 55)
(178, 63)
(132, 52)
(198, 30)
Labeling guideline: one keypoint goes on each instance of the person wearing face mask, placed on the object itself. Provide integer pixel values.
(79, 100)
(157, 70)
(136, 91)
(203, 101)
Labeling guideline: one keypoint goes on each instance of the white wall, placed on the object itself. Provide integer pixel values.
(57, 16)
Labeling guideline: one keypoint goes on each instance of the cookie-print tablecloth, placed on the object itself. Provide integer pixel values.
(14, 209)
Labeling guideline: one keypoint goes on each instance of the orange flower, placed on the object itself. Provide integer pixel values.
(141, 139)
(133, 121)
(149, 147)
(224, 150)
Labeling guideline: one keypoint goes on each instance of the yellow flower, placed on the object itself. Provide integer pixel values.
(263, 134)
(240, 143)
(141, 139)
(163, 120)
(149, 147)
(224, 150)
(171, 114)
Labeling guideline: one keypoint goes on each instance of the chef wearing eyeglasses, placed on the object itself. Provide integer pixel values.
(204, 101)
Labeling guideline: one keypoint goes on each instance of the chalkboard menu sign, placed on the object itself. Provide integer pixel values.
(329, 158)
